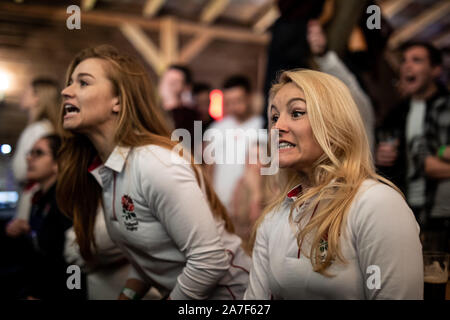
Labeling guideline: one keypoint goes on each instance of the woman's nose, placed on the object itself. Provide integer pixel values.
(67, 91)
(280, 124)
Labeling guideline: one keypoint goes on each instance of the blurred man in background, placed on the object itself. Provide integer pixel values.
(412, 149)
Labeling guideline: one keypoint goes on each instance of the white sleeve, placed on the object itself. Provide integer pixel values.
(24, 204)
(386, 236)
(258, 287)
(72, 250)
(27, 139)
(175, 198)
(331, 64)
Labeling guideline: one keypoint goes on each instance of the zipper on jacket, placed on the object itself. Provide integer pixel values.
(114, 197)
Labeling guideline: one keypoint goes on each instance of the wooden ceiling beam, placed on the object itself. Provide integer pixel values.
(213, 10)
(442, 40)
(144, 45)
(390, 8)
(414, 26)
(267, 19)
(224, 33)
(152, 7)
(87, 5)
(194, 47)
(108, 19)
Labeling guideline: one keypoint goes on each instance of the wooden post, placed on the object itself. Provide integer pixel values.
(169, 40)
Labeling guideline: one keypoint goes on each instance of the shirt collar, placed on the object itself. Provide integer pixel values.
(115, 162)
(95, 164)
(294, 192)
(117, 158)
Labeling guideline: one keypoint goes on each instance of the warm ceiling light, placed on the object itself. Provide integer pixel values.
(4, 81)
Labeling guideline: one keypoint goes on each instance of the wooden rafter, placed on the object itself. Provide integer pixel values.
(152, 7)
(437, 11)
(108, 19)
(144, 46)
(87, 5)
(224, 33)
(133, 29)
(194, 47)
(442, 40)
(213, 10)
(390, 8)
(267, 19)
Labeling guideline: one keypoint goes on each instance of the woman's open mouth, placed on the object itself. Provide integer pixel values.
(70, 108)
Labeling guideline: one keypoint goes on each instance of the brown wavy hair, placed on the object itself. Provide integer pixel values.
(141, 122)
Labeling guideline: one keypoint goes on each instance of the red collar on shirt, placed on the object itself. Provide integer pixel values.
(294, 192)
(95, 164)
(30, 185)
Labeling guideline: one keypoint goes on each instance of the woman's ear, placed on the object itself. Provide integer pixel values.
(116, 106)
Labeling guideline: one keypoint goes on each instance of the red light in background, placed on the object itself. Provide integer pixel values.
(216, 104)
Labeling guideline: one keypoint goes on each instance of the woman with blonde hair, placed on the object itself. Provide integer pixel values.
(158, 209)
(42, 102)
(337, 230)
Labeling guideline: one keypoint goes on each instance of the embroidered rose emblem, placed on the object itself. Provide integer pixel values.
(131, 222)
(127, 203)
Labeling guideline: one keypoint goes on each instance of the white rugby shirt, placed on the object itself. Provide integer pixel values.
(159, 217)
(380, 242)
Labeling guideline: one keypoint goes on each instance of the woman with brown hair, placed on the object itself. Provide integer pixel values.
(157, 208)
(336, 229)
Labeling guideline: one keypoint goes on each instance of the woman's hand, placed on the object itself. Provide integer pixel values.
(317, 39)
(386, 154)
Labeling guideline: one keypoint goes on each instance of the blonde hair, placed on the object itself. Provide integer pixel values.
(338, 173)
(48, 100)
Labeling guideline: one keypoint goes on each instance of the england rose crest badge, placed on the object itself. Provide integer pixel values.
(129, 217)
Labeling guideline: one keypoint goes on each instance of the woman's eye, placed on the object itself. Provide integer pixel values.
(274, 118)
(83, 83)
(297, 114)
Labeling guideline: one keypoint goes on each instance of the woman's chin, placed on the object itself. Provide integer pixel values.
(70, 126)
(284, 164)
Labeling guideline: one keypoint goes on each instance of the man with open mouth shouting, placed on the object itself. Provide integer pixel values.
(413, 140)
